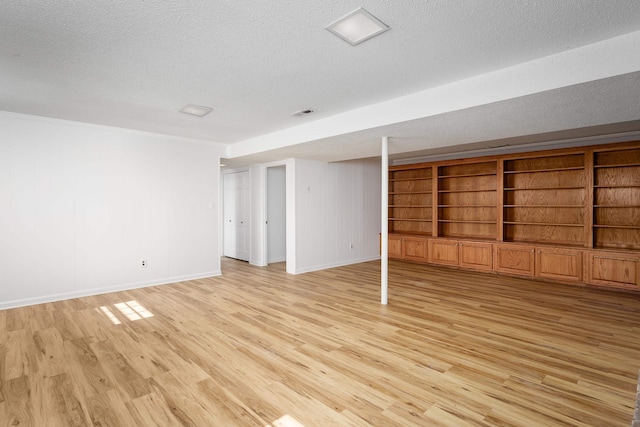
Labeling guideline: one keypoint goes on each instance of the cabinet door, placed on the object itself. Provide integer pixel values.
(611, 268)
(414, 248)
(559, 264)
(515, 259)
(476, 255)
(395, 247)
(443, 251)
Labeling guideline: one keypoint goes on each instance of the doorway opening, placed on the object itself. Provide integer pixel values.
(276, 215)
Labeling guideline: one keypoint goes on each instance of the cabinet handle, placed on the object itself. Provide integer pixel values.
(539, 252)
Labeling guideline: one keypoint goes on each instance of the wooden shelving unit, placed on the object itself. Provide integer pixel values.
(544, 199)
(570, 215)
(411, 201)
(617, 199)
(467, 201)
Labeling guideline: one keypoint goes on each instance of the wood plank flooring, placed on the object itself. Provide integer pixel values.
(258, 347)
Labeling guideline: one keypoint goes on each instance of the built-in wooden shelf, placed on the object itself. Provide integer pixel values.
(615, 206)
(620, 165)
(465, 175)
(466, 206)
(571, 214)
(555, 224)
(544, 170)
(410, 192)
(542, 188)
(479, 190)
(632, 227)
(544, 206)
(407, 179)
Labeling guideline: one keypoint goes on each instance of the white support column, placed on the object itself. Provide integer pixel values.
(384, 226)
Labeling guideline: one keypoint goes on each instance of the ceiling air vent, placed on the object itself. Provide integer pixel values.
(302, 113)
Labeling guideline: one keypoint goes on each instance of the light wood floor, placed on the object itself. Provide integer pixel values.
(258, 347)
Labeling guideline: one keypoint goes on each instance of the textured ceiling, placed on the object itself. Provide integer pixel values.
(134, 64)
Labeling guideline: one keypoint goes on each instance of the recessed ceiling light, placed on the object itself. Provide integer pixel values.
(196, 110)
(357, 26)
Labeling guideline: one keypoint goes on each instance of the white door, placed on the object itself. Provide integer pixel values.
(236, 215)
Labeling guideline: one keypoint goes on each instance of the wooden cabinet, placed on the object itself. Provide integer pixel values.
(414, 248)
(476, 255)
(559, 264)
(395, 247)
(515, 259)
(544, 262)
(466, 254)
(555, 214)
(613, 268)
(443, 251)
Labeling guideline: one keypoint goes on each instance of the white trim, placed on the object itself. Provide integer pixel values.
(334, 264)
(109, 289)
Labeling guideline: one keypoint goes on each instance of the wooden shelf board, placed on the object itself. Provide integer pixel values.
(410, 233)
(465, 175)
(616, 206)
(408, 179)
(543, 188)
(467, 206)
(551, 243)
(545, 206)
(459, 221)
(411, 206)
(617, 186)
(617, 248)
(410, 219)
(573, 168)
(622, 165)
(467, 191)
(409, 192)
(471, 237)
(542, 224)
(630, 227)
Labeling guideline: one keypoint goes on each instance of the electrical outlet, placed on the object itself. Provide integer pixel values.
(143, 263)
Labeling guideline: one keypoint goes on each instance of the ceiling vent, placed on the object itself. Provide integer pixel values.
(302, 113)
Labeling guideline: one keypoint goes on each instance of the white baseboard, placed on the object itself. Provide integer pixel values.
(335, 264)
(97, 291)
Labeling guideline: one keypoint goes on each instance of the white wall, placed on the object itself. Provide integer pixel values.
(336, 205)
(82, 205)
